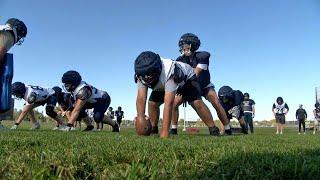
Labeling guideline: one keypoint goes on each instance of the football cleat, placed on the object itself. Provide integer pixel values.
(174, 131)
(116, 128)
(214, 131)
(89, 128)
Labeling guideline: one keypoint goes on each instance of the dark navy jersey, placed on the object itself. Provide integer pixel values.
(233, 107)
(119, 114)
(301, 114)
(65, 100)
(247, 105)
(201, 60)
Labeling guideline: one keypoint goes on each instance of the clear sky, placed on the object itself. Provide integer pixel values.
(268, 48)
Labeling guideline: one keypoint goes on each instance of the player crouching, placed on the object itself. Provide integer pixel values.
(231, 102)
(35, 96)
(85, 97)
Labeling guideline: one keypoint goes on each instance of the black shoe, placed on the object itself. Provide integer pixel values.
(214, 131)
(154, 130)
(244, 129)
(89, 128)
(228, 131)
(116, 128)
(174, 131)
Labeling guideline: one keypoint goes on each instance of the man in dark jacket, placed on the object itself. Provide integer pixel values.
(301, 116)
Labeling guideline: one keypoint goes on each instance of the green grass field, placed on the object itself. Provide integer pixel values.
(47, 154)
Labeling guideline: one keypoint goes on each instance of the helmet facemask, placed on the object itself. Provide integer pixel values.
(69, 87)
(149, 80)
(185, 50)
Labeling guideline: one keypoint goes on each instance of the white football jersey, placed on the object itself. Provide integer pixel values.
(9, 28)
(96, 93)
(280, 108)
(42, 94)
(166, 82)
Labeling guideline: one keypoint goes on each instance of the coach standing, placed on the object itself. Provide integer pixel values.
(301, 116)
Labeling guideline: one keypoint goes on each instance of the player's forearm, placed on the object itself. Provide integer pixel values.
(141, 106)
(73, 117)
(167, 116)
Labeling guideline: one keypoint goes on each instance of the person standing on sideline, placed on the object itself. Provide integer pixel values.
(280, 109)
(301, 116)
(119, 114)
(248, 107)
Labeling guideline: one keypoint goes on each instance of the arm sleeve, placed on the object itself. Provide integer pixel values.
(305, 113)
(286, 106)
(171, 86)
(273, 107)
(140, 85)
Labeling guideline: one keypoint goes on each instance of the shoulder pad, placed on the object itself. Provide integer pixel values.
(32, 98)
(183, 59)
(84, 93)
(203, 55)
(238, 97)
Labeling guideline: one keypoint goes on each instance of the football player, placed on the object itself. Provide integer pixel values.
(86, 96)
(166, 77)
(119, 114)
(13, 32)
(199, 60)
(248, 107)
(231, 102)
(35, 96)
(280, 109)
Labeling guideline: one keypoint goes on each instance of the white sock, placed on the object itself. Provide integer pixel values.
(227, 127)
(174, 126)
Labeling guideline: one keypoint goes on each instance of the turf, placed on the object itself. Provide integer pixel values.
(47, 154)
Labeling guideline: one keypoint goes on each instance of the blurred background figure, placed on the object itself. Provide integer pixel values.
(301, 116)
(248, 107)
(280, 109)
(119, 115)
(316, 113)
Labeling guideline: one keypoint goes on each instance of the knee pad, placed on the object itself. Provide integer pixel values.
(50, 112)
(98, 117)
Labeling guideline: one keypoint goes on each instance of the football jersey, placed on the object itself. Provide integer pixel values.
(96, 93)
(247, 105)
(280, 108)
(317, 113)
(199, 60)
(65, 101)
(9, 28)
(110, 114)
(166, 82)
(119, 114)
(41, 93)
(233, 107)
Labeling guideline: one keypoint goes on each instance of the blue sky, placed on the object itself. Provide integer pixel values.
(267, 48)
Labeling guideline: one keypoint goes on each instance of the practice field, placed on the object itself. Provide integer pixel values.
(47, 154)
